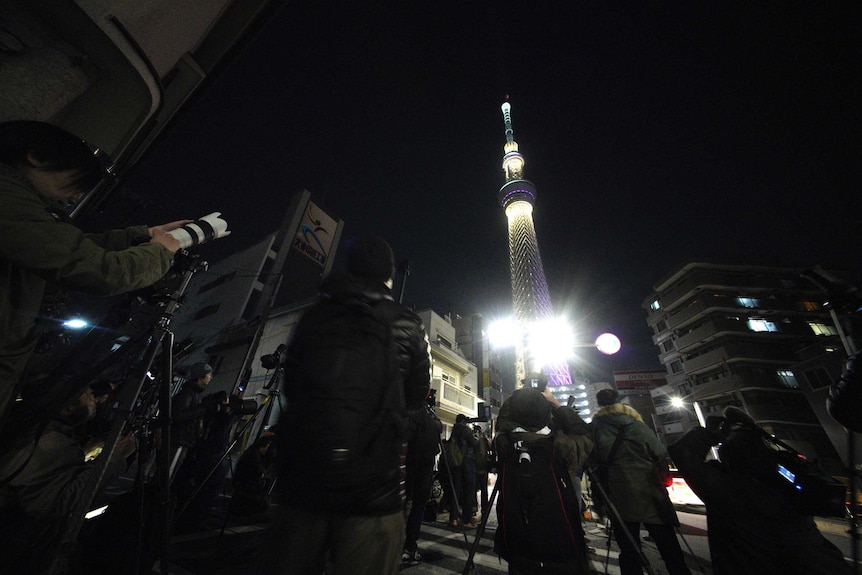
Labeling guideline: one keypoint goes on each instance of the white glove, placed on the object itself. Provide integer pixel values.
(209, 227)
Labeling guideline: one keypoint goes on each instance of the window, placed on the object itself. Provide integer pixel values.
(668, 345)
(443, 341)
(810, 305)
(676, 366)
(655, 305)
(820, 328)
(756, 324)
(818, 378)
(751, 302)
(661, 326)
(787, 378)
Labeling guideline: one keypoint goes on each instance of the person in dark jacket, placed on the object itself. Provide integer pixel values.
(754, 527)
(44, 169)
(529, 418)
(362, 534)
(634, 485)
(463, 476)
(42, 480)
(844, 402)
(423, 445)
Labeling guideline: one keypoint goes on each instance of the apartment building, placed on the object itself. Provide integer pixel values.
(752, 337)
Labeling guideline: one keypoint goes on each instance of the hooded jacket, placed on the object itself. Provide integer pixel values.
(38, 250)
(633, 482)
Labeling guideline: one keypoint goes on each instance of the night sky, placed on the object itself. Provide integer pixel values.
(654, 134)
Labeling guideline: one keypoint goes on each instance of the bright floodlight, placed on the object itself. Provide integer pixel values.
(677, 401)
(503, 333)
(608, 343)
(550, 342)
(75, 323)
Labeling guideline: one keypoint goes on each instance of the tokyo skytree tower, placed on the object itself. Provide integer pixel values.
(530, 297)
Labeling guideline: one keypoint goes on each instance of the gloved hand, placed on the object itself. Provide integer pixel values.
(209, 227)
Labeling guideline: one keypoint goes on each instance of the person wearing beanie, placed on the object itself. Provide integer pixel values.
(629, 454)
(43, 170)
(361, 528)
(532, 422)
(370, 258)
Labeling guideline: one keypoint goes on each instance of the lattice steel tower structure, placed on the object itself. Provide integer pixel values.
(530, 298)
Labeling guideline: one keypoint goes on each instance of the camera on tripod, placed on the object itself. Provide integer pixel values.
(803, 482)
(275, 359)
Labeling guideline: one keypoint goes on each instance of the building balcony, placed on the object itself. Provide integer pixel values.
(739, 351)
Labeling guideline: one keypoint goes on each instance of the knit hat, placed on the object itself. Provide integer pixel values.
(529, 408)
(370, 257)
(607, 397)
(199, 370)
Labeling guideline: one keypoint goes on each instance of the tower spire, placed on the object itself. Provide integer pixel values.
(530, 298)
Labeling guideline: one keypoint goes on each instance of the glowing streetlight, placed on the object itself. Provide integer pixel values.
(75, 323)
(679, 402)
(608, 343)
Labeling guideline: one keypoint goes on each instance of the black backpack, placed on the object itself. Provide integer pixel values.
(345, 416)
(538, 513)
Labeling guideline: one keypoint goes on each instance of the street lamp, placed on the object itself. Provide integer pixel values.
(680, 402)
(75, 323)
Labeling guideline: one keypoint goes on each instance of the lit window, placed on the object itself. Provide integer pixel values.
(788, 379)
(755, 324)
(654, 305)
(810, 305)
(748, 302)
(822, 328)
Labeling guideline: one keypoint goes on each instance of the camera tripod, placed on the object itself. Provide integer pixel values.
(141, 350)
(266, 408)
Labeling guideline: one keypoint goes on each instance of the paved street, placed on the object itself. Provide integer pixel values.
(444, 549)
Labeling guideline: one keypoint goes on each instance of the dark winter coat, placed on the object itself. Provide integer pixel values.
(753, 530)
(413, 375)
(40, 250)
(36, 503)
(467, 442)
(187, 413)
(633, 484)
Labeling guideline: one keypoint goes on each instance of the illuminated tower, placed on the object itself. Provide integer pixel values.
(530, 297)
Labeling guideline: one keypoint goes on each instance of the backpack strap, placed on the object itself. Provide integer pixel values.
(617, 442)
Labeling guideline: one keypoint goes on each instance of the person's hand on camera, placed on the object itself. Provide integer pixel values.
(126, 446)
(160, 235)
(165, 228)
(546, 393)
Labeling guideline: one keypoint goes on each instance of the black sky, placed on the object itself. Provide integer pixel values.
(656, 134)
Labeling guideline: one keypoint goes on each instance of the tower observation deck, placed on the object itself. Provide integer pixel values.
(530, 298)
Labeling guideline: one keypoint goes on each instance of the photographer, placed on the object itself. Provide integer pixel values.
(464, 475)
(628, 453)
(541, 448)
(42, 478)
(44, 169)
(754, 522)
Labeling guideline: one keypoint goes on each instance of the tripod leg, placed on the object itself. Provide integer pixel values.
(481, 529)
(452, 487)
